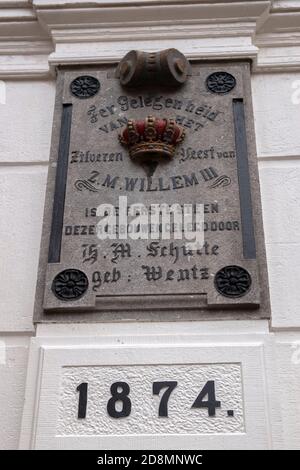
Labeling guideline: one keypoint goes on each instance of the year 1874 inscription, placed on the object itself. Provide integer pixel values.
(153, 198)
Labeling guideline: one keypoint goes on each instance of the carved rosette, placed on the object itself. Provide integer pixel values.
(233, 281)
(220, 82)
(85, 86)
(70, 284)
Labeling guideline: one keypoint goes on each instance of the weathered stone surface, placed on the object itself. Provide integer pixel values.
(215, 166)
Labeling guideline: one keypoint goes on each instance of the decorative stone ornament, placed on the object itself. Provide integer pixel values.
(70, 284)
(220, 82)
(85, 86)
(233, 281)
(169, 67)
(152, 138)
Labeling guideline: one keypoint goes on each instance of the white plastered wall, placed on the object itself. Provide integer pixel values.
(25, 115)
(27, 91)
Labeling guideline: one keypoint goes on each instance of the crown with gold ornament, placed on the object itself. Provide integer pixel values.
(152, 138)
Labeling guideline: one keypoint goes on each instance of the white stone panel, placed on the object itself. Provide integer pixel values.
(26, 119)
(284, 278)
(235, 361)
(279, 183)
(22, 193)
(288, 365)
(12, 388)
(281, 215)
(277, 113)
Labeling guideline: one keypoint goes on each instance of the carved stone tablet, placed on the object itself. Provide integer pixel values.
(152, 144)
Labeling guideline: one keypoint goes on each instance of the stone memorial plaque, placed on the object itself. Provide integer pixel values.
(122, 139)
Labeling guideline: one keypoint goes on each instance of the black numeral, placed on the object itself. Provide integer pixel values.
(211, 403)
(121, 396)
(157, 387)
(82, 401)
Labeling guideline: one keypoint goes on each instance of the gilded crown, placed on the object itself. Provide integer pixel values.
(152, 138)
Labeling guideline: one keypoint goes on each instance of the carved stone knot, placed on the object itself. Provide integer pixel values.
(169, 67)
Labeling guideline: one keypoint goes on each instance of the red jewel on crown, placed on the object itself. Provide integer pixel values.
(152, 138)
